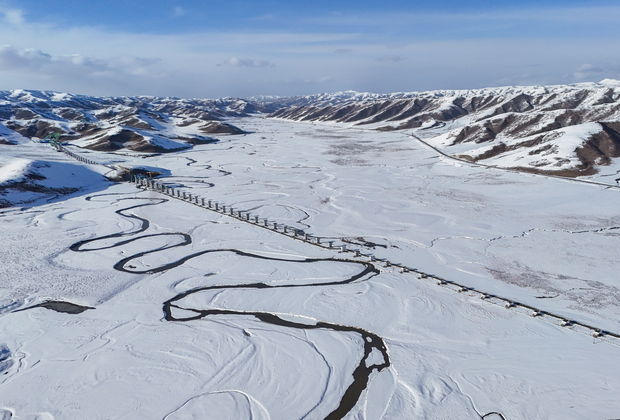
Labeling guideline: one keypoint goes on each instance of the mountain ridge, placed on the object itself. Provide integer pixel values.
(545, 129)
(567, 130)
(143, 124)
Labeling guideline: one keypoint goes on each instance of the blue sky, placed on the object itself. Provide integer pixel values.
(243, 48)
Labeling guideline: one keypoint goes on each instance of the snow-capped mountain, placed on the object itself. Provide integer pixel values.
(145, 123)
(568, 130)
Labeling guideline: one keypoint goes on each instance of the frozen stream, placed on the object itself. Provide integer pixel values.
(175, 312)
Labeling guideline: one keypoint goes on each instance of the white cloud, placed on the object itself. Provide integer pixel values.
(586, 71)
(247, 62)
(179, 11)
(14, 17)
(589, 68)
(98, 61)
(74, 65)
(28, 59)
(133, 65)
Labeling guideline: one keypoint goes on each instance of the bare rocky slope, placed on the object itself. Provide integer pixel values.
(568, 130)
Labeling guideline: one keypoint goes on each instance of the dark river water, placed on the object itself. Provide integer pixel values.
(360, 375)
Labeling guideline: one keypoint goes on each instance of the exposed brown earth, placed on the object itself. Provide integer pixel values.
(63, 307)
(220, 128)
(70, 114)
(130, 140)
(600, 147)
(134, 122)
(87, 129)
(29, 184)
(36, 128)
(198, 140)
(108, 143)
(25, 114)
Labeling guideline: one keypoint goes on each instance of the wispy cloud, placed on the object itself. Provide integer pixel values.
(14, 17)
(247, 62)
(310, 82)
(587, 71)
(179, 11)
(549, 15)
(74, 65)
(390, 59)
(96, 60)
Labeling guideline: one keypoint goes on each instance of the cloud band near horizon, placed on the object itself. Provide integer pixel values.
(360, 53)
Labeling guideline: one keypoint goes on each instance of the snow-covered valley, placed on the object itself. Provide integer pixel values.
(197, 314)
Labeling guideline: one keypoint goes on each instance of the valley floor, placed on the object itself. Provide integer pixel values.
(263, 326)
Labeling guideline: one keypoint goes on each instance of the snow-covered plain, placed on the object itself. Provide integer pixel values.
(547, 242)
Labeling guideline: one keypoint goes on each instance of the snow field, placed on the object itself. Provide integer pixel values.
(452, 355)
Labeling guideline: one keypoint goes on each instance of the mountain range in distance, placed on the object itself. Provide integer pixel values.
(566, 130)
